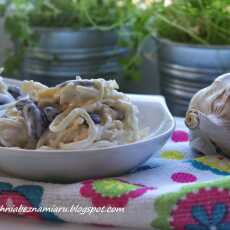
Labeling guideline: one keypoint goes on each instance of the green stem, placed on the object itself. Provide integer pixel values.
(103, 28)
(190, 33)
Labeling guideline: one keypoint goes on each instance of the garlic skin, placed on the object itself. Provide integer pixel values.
(208, 118)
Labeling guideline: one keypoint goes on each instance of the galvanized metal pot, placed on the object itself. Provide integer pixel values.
(61, 54)
(184, 69)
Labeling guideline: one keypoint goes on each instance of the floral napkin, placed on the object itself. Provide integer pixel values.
(176, 189)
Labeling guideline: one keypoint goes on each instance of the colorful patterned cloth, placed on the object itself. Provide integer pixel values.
(176, 189)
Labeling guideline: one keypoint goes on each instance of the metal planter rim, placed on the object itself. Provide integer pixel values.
(188, 45)
(70, 29)
(40, 54)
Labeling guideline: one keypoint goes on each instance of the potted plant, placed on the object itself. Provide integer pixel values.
(193, 41)
(56, 40)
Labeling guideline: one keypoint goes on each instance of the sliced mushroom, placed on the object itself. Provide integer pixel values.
(15, 91)
(50, 113)
(33, 118)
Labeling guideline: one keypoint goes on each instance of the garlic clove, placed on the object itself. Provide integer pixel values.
(208, 118)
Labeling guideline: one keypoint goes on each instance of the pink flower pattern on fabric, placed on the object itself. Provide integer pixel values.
(180, 136)
(204, 209)
(10, 200)
(183, 177)
(111, 192)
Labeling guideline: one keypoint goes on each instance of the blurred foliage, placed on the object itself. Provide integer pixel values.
(22, 16)
(2, 10)
(194, 21)
(204, 22)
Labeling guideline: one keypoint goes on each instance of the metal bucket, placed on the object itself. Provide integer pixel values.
(61, 54)
(185, 69)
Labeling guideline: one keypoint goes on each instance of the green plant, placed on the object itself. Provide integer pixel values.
(21, 16)
(204, 22)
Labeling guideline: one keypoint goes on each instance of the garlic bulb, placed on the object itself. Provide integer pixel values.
(208, 118)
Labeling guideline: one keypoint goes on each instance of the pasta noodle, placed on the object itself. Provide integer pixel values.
(77, 114)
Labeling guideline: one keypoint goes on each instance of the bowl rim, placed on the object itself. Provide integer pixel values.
(141, 141)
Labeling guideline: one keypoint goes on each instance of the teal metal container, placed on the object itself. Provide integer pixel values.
(185, 69)
(61, 54)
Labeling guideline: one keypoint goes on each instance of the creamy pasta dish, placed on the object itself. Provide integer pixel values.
(76, 114)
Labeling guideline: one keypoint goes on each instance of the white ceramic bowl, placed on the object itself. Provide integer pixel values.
(69, 166)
